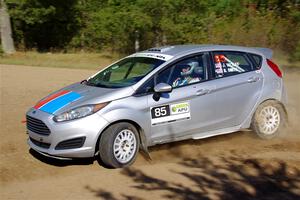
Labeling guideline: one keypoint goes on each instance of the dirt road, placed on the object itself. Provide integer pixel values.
(234, 166)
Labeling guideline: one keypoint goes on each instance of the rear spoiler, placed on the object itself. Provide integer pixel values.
(268, 53)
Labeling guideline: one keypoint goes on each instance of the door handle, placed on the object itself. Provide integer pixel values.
(253, 79)
(202, 92)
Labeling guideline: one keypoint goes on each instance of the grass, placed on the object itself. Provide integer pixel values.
(60, 60)
(94, 60)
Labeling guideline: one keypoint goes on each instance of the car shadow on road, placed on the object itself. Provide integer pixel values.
(69, 162)
(61, 163)
(225, 178)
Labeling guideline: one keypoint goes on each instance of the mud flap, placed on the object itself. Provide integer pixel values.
(144, 146)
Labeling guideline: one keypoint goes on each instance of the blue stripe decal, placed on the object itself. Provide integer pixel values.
(60, 102)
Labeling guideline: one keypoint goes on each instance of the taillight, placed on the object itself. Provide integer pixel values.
(275, 68)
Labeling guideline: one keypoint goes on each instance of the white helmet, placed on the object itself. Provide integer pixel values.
(194, 65)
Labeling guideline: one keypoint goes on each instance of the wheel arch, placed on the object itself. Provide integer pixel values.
(141, 133)
(248, 122)
(277, 101)
(283, 113)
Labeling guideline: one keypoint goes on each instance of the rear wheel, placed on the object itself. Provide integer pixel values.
(119, 145)
(269, 120)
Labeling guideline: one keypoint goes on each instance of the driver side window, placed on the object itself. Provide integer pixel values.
(185, 72)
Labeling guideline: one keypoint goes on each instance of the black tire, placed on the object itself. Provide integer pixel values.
(260, 120)
(106, 145)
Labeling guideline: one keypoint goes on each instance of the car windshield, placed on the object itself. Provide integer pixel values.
(124, 73)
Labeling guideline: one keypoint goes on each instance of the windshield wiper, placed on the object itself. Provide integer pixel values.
(90, 83)
(101, 85)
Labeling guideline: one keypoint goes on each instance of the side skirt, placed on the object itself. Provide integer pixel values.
(197, 136)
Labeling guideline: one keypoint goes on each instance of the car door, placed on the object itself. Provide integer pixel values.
(189, 108)
(238, 87)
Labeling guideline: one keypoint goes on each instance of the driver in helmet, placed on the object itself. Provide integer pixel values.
(186, 76)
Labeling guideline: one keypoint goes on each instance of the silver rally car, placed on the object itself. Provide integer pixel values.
(158, 96)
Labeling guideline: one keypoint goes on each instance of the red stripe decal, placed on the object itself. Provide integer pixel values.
(50, 98)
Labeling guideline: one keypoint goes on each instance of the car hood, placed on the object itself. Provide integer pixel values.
(78, 94)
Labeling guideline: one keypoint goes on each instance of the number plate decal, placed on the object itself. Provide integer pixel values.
(160, 111)
(170, 113)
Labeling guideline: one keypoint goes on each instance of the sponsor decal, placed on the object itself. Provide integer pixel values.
(170, 113)
(219, 68)
(57, 101)
(153, 55)
(180, 108)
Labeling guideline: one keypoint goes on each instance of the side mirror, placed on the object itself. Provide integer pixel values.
(161, 88)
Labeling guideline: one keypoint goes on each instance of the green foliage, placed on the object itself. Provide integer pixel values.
(43, 24)
(116, 24)
(296, 55)
(1, 51)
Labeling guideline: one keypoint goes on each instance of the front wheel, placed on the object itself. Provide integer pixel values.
(119, 145)
(269, 120)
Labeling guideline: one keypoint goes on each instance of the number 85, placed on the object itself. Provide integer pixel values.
(160, 111)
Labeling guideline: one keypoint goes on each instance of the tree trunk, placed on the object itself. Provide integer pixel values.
(137, 41)
(7, 42)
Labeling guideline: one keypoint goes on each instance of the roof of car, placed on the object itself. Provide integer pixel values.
(181, 49)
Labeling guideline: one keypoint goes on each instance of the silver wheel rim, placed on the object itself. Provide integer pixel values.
(124, 146)
(269, 120)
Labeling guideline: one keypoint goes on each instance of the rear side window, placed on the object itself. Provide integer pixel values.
(230, 63)
(256, 59)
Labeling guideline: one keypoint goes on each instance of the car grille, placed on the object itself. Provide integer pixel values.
(40, 144)
(71, 144)
(37, 126)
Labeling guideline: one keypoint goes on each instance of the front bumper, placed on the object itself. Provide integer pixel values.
(88, 127)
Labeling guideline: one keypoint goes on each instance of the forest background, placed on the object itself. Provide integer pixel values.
(125, 26)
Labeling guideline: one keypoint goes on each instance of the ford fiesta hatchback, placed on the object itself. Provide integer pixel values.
(158, 96)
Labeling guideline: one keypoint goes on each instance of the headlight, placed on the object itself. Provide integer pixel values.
(79, 112)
